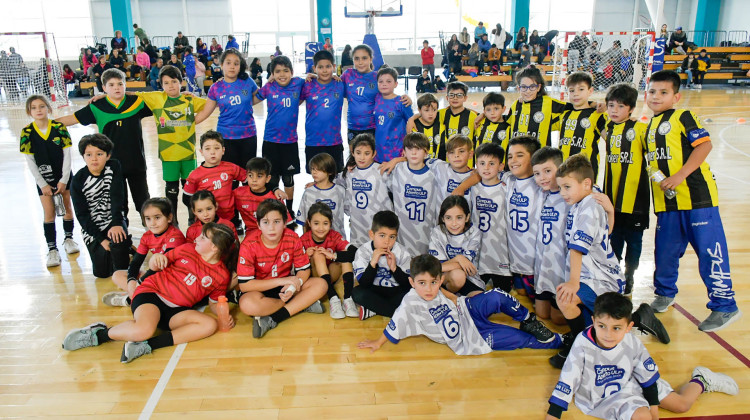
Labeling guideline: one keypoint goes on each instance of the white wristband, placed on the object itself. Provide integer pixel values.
(300, 281)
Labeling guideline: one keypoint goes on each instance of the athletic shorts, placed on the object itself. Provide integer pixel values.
(166, 312)
(284, 158)
(54, 185)
(239, 151)
(622, 404)
(175, 171)
(351, 134)
(336, 152)
(273, 293)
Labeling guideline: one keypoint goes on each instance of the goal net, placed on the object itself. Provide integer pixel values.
(29, 65)
(610, 58)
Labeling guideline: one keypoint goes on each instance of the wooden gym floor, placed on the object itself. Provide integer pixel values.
(310, 367)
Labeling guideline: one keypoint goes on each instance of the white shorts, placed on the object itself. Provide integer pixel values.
(621, 405)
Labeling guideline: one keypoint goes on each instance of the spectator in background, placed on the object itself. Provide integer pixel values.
(479, 31)
(216, 73)
(525, 59)
(119, 43)
(502, 38)
(202, 50)
(625, 72)
(215, 48)
(574, 53)
(200, 77)
(455, 58)
(346, 58)
(440, 85)
(465, 39)
(142, 63)
(98, 69)
(453, 41)
(89, 61)
(521, 38)
(664, 34)
(232, 43)
(484, 47)
(678, 42)
(174, 61)
(704, 63)
(268, 66)
(428, 59)
(535, 41)
(424, 82)
(150, 50)
(278, 52)
(116, 61)
(494, 58)
(614, 53)
(475, 57)
(689, 65)
(328, 46)
(189, 65)
(140, 35)
(180, 43)
(256, 71)
(68, 74)
(591, 55)
(153, 75)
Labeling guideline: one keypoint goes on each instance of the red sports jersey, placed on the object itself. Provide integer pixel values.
(257, 261)
(333, 242)
(218, 180)
(194, 231)
(169, 239)
(187, 279)
(247, 201)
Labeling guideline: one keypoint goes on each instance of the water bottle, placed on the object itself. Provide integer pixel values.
(658, 176)
(222, 312)
(59, 205)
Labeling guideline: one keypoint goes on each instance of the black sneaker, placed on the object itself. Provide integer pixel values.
(647, 322)
(240, 230)
(233, 296)
(558, 361)
(629, 284)
(536, 328)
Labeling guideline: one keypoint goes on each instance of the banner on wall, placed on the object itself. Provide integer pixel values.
(310, 49)
(659, 47)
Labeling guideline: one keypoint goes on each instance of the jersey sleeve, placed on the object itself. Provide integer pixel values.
(397, 328)
(471, 249)
(582, 231)
(213, 92)
(694, 131)
(25, 143)
(143, 244)
(191, 185)
(198, 104)
(240, 173)
(341, 244)
(65, 140)
(437, 244)
(645, 370)
(304, 206)
(570, 377)
(85, 115)
(403, 260)
(262, 93)
(301, 262)
(361, 260)
(246, 264)
(406, 111)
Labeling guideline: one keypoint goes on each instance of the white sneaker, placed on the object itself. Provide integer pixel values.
(716, 382)
(351, 308)
(337, 312)
(70, 246)
(53, 258)
(115, 299)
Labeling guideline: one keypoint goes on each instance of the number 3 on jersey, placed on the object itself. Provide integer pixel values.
(519, 220)
(416, 210)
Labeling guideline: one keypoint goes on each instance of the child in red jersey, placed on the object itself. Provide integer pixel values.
(161, 237)
(203, 204)
(268, 256)
(186, 275)
(331, 258)
(216, 176)
(248, 197)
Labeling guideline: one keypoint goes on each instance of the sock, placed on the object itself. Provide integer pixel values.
(577, 324)
(280, 315)
(68, 228)
(331, 290)
(290, 206)
(50, 235)
(348, 284)
(698, 379)
(164, 340)
(102, 335)
(172, 190)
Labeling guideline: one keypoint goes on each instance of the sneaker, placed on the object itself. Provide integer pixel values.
(536, 328)
(558, 361)
(132, 350)
(337, 311)
(116, 299)
(716, 382)
(661, 303)
(365, 313)
(70, 246)
(233, 296)
(83, 337)
(261, 325)
(629, 284)
(315, 308)
(649, 323)
(351, 308)
(53, 258)
(240, 230)
(718, 320)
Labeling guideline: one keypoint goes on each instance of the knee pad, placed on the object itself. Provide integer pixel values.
(288, 180)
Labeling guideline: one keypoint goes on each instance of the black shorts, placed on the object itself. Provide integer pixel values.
(54, 185)
(354, 133)
(239, 151)
(166, 312)
(273, 293)
(284, 158)
(546, 296)
(336, 152)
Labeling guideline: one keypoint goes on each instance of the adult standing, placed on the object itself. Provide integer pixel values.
(501, 40)
(346, 58)
(9, 83)
(202, 50)
(140, 35)
(180, 43)
(328, 46)
(17, 69)
(479, 31)
(119, 43)
(428, 59)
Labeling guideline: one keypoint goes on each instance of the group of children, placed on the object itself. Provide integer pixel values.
(427, 233)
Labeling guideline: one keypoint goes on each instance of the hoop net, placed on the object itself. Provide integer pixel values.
(34, 68)
(617, 57)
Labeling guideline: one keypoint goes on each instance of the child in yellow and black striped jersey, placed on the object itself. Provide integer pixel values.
(428, 121)
(626, 182)
(494, 127)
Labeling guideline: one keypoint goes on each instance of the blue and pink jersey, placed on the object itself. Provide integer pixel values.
(323, 119)
(361, 89)
(235, 101)
(390, 116)
(282, 104)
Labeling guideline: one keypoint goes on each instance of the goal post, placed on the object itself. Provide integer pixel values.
(610, 58)
(31, 68)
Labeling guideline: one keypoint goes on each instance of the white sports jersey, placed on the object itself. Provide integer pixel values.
(596, 375)
(334, 197)
(524, 200)
(551, 249)
(445, 246)
(414, 201)
(440, 320)
(587, 231)
(366, 194)
(488, 215)
(384, 277)
(447, 180)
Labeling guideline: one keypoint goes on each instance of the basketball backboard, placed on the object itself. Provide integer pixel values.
(373, 8)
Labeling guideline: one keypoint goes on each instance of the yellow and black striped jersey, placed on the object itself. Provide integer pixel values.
(491, 132)
(432, 132)
(461, 123)
(625, 179)
(670, 139)
(580, 130)
(537, 118)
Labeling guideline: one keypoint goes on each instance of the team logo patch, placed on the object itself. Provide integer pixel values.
(174, 115)
(436, 139)
(630, 135)
(585, 123)
(649, 364)
(371, 85)
(336, 95)
(392, 325)
(664, 128)
(538, 116)
(501, 135)
(391, 115)
(206, 281)
(285, 257)
(242, 260)
(295, 95)
(563, 387)
(245, 92)
(465, 131)
(583, 237)
(224, 176)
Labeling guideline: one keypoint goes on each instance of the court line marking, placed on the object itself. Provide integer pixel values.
(162, 384)
(721, 137)
(728, 347)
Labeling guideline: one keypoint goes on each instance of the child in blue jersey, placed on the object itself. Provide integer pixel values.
(189, 62)
(283, 95)
(324, 99)
(391, 117)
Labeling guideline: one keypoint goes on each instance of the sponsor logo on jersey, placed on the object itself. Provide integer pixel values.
(315, 98)
(502, 134)
(361, 185)
(439, 312)
(583, 237)
(242, 260)
(327, 201)
(664, 128)
(206, 281)
(518, 199)
(184, 261)
(485, 204)
(453, 184)
(452, 251)
(174, 114)
(336, 95)
(295, 95)
(433, 253)
(415, 191)
(698, 134)
(538, 117)
(607, 373)
(549, 214)
(392, 325)
(649, 364)
(563, 387)
(383, 273)
(569, 222)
